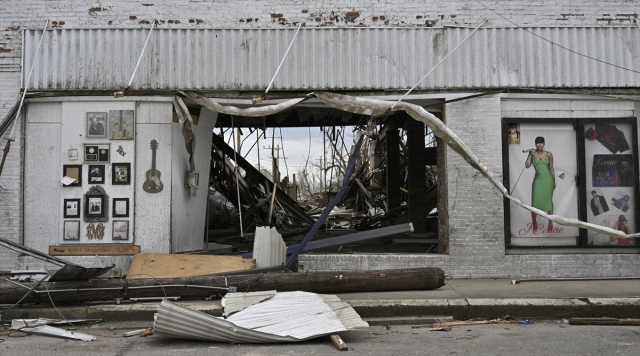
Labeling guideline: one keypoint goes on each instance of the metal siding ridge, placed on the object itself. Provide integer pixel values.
(332, 59)
(297, 314)
(174, 320)
(234, 302)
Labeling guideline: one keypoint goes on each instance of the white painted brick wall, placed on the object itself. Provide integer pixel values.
(11, 177)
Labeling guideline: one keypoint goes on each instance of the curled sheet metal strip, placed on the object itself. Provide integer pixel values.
(232, 110)
(367, 106)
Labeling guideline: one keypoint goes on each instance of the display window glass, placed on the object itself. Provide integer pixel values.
(579, 169)
(610, 180)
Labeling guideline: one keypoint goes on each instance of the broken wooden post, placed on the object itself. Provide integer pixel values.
(416, 177)
(337, 340)
(393, 167)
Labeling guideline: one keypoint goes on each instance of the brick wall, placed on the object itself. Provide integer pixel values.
(11, 177)
(18, 14)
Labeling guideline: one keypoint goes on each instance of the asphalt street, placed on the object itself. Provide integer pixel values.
(551, 337)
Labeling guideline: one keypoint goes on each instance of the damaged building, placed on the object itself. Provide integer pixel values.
(477, 122)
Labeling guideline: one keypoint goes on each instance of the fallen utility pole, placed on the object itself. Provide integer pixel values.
(206, 286)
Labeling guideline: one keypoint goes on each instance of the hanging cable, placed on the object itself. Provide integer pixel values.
(26, 84)
(555, 44)
(439, 63)
(282, 61)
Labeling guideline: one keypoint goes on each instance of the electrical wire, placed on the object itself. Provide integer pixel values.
(23, 297)
(555, 44)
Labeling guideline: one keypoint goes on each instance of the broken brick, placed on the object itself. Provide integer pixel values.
(352, 16)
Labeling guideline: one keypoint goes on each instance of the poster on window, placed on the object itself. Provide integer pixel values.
(610, 181)
(542, 173)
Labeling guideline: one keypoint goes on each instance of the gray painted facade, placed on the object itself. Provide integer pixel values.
(94, 46)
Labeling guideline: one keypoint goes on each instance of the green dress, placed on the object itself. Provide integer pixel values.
(542, 187)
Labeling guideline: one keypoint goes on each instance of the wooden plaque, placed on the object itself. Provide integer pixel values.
(90, 250)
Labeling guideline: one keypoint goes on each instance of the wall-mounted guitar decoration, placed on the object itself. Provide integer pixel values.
(153, 184)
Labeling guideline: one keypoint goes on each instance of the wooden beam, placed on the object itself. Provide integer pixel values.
(201, 287)
(337, 340)
(603, 321)
(416, 175)
(91, 250)
(393, 168)
(290, 205)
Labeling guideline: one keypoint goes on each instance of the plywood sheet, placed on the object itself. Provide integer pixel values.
(148, 265)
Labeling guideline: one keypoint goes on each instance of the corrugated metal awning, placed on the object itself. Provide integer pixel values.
(332, 58)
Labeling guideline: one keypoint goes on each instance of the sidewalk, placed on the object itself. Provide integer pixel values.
(459, 299)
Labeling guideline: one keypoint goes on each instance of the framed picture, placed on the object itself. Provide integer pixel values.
(96, 124)
(120, 230)
(121, 124)
(120, 208)
(121, 173)
(73, 171)
(96, 205)
(96, 174)
(71, 230)
(72, 208)
(96, 152)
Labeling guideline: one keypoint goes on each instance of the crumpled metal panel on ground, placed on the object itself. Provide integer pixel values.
(284, 317)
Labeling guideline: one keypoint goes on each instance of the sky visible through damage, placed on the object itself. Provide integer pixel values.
(297, 143)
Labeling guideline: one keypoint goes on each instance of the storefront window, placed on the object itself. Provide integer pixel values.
(580, 169)
(610, 180)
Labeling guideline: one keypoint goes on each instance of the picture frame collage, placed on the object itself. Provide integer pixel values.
(96, 153)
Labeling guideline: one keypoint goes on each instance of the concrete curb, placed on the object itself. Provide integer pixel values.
(383, 312)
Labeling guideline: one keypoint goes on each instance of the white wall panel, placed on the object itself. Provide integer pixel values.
(153, 210)
(189, 212)
(42, 174)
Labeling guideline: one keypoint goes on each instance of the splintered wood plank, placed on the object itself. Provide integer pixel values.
(91, 250)
(337, 340)
(145, 265)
